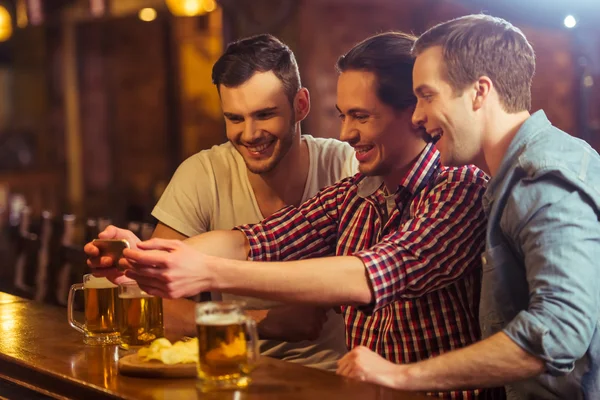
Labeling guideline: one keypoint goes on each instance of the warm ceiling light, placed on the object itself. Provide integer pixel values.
(147, 14)
(6, 28)
(190, 8)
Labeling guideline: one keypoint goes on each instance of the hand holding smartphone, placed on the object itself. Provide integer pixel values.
(112, 248)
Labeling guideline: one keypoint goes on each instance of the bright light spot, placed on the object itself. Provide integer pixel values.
(210, 5)
(570, 21)
(191, 8)
(6, 28)
(147, 14)
(588, 81)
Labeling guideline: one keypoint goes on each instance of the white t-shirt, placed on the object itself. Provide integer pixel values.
(210, 191)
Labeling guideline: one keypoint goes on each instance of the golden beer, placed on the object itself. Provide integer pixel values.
(101, 310)
(225, 356)
(141, 318)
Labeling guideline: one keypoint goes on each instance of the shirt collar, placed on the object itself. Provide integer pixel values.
(533, 125)
(418, 176)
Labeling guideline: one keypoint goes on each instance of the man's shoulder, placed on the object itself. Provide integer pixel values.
(327, 145)
(218, 157)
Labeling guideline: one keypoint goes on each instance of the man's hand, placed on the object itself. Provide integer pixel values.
(293, 323)
(366, 365)
(103, 266)
(169, 269)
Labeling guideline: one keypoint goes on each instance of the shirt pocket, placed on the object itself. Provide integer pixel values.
(496, 307)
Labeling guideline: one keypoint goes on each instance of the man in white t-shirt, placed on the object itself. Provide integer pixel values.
(265, 166)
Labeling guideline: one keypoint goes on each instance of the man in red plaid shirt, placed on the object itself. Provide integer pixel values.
(399, 243)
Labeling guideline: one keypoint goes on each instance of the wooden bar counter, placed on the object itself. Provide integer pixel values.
(42, 357)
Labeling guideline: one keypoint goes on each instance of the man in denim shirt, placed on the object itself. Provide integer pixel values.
(541, 269)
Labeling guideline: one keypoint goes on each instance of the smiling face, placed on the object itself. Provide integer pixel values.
(259, 121)
(446, 116)
(381, 136)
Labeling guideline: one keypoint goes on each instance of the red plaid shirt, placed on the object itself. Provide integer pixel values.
(423, 260)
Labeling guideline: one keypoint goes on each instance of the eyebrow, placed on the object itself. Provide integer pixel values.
(421, 88)
(354, 110)
(253, 113)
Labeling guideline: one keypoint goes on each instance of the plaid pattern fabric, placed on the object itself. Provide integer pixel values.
(423, 259)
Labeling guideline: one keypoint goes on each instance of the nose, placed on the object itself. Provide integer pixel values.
(418, 117)
(348, 133)
(250, 132)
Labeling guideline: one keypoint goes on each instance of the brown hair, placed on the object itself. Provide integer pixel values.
(480, 45)
(388, 56)
(260, 53)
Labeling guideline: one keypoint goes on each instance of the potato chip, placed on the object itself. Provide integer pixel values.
(179, 352)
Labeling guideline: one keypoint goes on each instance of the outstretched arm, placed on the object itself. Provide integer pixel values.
(492, 362)
(319, 281)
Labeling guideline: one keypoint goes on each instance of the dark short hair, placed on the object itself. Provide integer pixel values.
(388, 56)
(261, 53)
(480, 45)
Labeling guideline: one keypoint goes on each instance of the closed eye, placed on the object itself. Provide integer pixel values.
(265, 115)
(234, 119)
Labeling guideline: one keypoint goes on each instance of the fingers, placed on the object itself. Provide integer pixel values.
(150, 285)
(160, 244)
(90, 250)
(350, 365)
(344, 366)
(158, 274)
(146, 257)
(100, 262)
(112, 232)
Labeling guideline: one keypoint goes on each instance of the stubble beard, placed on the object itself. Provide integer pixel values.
(282, 147)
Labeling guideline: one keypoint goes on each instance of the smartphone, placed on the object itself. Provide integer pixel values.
(111, 247)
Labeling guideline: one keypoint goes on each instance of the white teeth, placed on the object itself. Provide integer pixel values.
(260, 148)
(436, 134)
(362, 149)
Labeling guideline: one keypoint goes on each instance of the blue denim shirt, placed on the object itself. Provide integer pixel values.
(541, 267)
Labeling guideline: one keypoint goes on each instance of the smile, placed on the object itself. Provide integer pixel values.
(436, 134)
(258, 149)
(363, 153)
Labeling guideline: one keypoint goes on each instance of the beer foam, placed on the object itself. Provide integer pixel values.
(98, 283)
(214, 319)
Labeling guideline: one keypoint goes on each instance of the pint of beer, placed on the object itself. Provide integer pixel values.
(101, 312)
(141, 315)
(228, 345)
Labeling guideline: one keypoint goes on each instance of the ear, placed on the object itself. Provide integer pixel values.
(407, 117)
(301, 104)
(482, 89)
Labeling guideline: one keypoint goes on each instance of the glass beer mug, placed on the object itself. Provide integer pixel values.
(227, 345)
(101, 325)
(141, 315)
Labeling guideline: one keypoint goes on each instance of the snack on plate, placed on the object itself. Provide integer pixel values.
(177, 353)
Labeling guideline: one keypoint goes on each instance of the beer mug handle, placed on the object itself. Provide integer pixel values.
(252, 343)
(75, 324)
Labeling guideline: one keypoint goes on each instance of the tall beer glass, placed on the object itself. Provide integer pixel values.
(101, 324)
(141, 315)
(227, 345)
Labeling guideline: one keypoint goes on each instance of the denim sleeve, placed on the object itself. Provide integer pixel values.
(554, 225)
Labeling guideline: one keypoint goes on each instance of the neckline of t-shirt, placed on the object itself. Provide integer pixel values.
(309, 146)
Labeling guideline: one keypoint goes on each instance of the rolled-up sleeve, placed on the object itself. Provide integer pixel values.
(558, 235)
